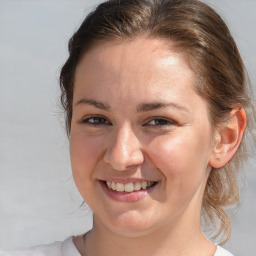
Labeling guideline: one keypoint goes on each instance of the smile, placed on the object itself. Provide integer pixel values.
(128, 190)
(129, 187)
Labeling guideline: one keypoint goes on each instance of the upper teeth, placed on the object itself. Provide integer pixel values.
(129, 187)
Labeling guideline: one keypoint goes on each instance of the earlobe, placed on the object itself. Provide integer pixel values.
(228, 138)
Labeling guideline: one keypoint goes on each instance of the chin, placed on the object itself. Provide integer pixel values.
(131, 230)
(130, 224)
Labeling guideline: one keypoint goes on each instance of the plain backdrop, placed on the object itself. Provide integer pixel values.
(38, 199)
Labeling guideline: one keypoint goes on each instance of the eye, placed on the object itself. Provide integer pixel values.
(159, 121)
(95, 121)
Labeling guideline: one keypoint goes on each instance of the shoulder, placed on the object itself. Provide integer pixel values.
(64, 248)
(222, 252)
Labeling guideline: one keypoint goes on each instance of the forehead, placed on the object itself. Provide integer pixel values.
(150, 67)
(138, 55)
(155, 46)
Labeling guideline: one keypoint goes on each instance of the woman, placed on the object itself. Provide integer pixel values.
(156, 111)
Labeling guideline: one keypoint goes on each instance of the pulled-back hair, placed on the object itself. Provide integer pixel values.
(199, 32)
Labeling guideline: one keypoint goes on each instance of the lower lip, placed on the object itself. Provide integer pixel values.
(126, 196)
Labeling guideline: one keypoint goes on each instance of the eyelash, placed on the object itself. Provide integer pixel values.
(167, 122)
(100, 120)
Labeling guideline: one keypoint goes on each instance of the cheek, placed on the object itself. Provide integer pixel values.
(84, 153)
(183, 161)
(178, 155)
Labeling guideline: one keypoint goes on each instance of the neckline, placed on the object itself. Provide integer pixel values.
(69, 248)
(222, 252)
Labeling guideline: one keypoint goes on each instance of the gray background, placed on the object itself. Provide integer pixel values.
(38, 199)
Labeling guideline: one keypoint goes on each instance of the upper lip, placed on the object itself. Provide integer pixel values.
(127, 180)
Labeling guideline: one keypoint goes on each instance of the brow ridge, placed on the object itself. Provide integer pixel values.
(94, 103)
(142, 107)
(145, 107)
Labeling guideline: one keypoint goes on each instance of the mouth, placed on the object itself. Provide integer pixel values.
(130, 187)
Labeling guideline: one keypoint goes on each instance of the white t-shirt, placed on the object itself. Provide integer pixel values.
(67, 248)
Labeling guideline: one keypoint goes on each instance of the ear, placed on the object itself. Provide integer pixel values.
(228, 138)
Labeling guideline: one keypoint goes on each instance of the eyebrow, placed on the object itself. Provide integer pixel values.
(94, 103)
(145, 107)
(142, 107)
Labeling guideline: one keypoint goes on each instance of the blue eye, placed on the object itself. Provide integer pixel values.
(95, 120)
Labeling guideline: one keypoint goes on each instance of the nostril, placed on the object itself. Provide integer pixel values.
(123, 160)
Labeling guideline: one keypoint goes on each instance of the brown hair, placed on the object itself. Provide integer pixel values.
(199, 32)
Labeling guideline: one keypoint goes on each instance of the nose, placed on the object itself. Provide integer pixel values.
(124, 151)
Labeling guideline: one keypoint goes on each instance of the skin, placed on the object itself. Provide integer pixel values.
(118, 132)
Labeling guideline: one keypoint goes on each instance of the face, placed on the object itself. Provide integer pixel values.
(141, 139)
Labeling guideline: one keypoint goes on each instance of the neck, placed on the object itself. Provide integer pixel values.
(181, 238)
